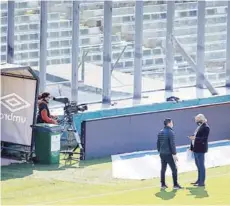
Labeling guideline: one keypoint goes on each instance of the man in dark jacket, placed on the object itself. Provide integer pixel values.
(167, 149)
(199, 146)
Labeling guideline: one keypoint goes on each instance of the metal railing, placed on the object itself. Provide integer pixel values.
(85, 51)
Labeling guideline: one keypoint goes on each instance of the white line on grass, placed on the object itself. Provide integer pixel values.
(115, 193)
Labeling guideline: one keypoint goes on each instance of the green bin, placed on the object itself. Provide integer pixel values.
(47, 143)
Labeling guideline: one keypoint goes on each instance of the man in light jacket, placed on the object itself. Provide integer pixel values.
(199, 146)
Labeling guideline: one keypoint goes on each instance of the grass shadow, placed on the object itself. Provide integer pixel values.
(86, 163)
(16, 170)
(165, 195)
(198, 192)
(91, 162)
(20, 170)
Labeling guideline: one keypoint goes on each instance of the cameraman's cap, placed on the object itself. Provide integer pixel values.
(167, 121)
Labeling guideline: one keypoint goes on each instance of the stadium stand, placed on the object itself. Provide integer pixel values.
(91, 36)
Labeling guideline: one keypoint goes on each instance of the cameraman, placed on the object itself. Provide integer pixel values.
(43, 109)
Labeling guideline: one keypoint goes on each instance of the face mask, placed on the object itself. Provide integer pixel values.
(199, 123)
(47, 99)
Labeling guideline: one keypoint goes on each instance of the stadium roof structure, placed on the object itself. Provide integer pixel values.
(18, 71)
(93, 75)
(135, 84)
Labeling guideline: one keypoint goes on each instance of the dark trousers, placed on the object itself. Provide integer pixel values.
(199, 160)
(165, 160)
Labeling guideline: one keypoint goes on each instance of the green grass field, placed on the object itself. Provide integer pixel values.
(91, 183)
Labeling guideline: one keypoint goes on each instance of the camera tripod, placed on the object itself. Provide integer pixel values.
(72, 137)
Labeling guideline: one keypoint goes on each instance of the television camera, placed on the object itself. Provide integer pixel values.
(70, 109)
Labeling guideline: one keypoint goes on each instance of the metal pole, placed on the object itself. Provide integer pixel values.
(10, 32)
(118, 59)
(75, 50)
(200, 43)
(194, 67)
(228, 48)
(83, 67)
(169, 46)
(43, 45)
(107, 52)
(86, 53)
(138, 49)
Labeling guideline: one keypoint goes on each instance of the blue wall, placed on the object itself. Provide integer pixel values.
(131, 133)
(147, 108)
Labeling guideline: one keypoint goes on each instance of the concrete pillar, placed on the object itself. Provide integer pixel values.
(138, 49)
(169, 46)
(10, 32)
(43, 44)
(75, 50)
(200, 44)
(228, 48)
(107, 52)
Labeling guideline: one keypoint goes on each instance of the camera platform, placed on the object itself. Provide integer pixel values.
(71, 108)
(70, 156)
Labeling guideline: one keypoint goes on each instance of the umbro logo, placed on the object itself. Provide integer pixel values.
(13, 102)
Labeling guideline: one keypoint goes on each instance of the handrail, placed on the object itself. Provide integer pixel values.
(58, 83)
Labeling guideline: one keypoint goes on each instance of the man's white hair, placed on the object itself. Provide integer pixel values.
(201, 117)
